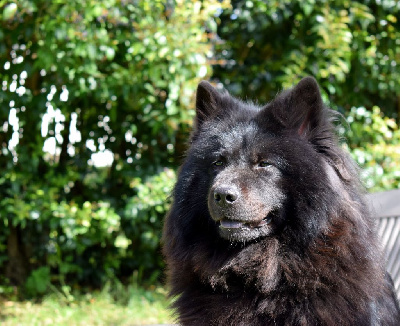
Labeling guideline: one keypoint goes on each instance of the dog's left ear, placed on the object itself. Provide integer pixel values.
(305, 106)
(299, 109)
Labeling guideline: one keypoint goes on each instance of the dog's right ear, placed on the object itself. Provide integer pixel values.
(207, 99)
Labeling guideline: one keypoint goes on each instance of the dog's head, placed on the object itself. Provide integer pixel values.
(263, 167)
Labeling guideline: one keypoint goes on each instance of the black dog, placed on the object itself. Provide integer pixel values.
(269, 225)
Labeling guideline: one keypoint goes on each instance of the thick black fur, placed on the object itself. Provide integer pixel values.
(269, 225)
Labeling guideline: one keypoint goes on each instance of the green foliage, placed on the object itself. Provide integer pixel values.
(6, 289)
(96, 98)
(145, 214)
(351, 47)
(374, 142)
(38, 282)
(81, 241)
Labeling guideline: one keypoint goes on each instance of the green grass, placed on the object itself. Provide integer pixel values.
(122, 306)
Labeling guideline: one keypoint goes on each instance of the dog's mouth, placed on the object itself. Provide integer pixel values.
(239, 228)
(232, 224)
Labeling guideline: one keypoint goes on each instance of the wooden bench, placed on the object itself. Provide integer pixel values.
(386, 206)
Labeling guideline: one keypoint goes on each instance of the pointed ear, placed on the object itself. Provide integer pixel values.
(305, 106)
(207, 98)
(299, 109)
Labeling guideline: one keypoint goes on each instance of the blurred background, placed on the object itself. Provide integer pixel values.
(96, 105)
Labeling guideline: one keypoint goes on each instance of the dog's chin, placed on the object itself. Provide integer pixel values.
(244, 231)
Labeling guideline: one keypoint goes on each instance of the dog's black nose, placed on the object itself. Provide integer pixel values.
(224, 196)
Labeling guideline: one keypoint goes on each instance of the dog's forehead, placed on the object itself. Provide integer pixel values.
(237, 133)
(238, 137)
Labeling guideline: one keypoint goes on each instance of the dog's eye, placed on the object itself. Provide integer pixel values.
(218, 163)
(264, 164)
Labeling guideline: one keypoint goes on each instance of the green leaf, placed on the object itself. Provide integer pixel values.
(9, 11)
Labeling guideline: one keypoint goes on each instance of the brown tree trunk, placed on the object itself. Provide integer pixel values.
(18, 265)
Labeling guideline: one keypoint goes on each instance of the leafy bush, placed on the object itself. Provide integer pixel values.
(38, 282)
(97, 99)
(374, 142)
(81, 243)
(143, 218)
(351, 47)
